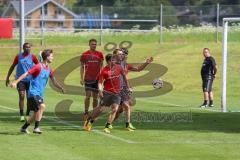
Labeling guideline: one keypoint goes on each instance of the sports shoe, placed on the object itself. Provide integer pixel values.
(24, 131)
(85, 116)
(110, 126)
(22, 119)
(210, 105)
(37, 131)
(203, 106)
(129, 129)
(131, 126)
(87, 126)
(106, 130)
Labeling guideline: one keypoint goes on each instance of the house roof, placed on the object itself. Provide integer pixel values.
(32, 5)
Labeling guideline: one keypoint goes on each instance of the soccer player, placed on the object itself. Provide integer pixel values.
(110, 96)
(24, 61)
(91, 64)
(208, 74)
(40, 74)
(125, 96)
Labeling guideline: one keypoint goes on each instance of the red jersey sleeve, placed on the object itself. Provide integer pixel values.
(15, 61)
(35, 70)
(34, 59)
(129, 66)
(83, 58)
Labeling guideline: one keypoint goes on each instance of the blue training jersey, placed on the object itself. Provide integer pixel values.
(24, 64)
(38, 84)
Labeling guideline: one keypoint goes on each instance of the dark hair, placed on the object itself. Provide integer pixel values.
(115, 51)
(125, 50)
(109, 57)
(25, 44)
(46, 53)
(92, 40)
(206, 49)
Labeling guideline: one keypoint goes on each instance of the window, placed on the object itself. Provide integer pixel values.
(58, 11)
(60, 24)
(41, 24)
(45, 9)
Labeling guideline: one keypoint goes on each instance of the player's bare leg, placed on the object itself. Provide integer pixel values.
(211, 99)
(205, 97)
(21, 105)
(87, 104)
(95, 99)
(127, 109)
(96, 112)
(111, 117)
(38, 118)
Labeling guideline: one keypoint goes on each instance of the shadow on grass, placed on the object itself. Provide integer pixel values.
(176, 121)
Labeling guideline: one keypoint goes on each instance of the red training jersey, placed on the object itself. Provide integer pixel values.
(92, 61)
(111, 78)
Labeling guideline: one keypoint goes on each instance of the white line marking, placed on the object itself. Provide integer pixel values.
(155, 102)
(78, 127)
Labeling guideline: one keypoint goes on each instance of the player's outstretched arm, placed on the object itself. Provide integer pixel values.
(14, 83)
(56, 84)
(142, 66)
(9, 74)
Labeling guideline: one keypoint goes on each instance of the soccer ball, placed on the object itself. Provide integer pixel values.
(157, 83)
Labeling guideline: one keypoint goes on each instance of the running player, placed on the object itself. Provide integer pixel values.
(125, 97)
(24, 61)
(40, 74)
(208, 73)
(91, 64)
(110, 96)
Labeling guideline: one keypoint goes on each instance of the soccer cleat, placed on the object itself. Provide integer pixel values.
(37, 131)
(24, 131)
(131, 126)
(87, 126)
(211, 105)
(129, 129)
(106, 130)
(22, 119)
(203, 106)
(85, 116)
(110, 126)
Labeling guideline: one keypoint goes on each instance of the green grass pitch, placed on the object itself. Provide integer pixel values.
(205, 134)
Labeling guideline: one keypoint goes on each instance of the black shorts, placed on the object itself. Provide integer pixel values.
(91, 86)
(124, 95)
(34, 103)
(23, 86)
(207, 85)
(109, 99)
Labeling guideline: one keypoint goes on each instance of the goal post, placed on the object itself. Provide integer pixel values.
(224, 60)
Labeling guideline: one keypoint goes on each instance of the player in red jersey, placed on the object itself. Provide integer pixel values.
(125, 96)
(91, 64)
(24, 61)
(110, 96)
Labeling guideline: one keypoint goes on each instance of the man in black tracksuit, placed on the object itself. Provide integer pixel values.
(208, 73)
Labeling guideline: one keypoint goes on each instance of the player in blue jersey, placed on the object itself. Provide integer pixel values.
(40, 74)
(24, 61)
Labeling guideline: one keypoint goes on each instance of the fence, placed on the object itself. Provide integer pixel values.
(119, 19)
